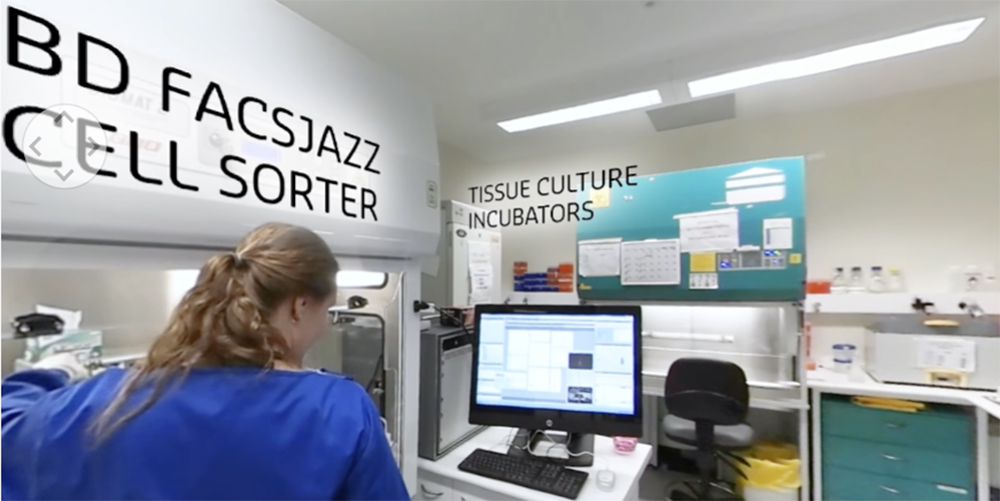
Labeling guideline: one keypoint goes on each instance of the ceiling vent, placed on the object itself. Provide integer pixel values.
(702, 111)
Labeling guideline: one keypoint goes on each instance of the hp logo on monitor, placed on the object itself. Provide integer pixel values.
(548, 423)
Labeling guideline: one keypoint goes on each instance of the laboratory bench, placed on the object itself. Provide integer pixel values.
(442, 480)
(863, 453)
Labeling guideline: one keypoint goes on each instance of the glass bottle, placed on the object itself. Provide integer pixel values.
(896, 282)
(838, 285)
(857, 280)
(990, 282)
(973, 279)
(876, 283)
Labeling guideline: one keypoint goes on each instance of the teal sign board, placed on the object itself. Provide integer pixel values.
(729, 233)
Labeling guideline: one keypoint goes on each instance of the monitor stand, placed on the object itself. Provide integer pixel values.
(580, 446)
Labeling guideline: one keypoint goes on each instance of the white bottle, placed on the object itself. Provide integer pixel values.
(896, 282)
(838, 285)
(990, 279)
(857, 280)
(973, 279)
(876, 283)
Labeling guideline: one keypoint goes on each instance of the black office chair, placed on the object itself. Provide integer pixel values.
(707, 402)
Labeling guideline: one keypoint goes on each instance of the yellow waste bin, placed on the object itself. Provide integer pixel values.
(772, 474)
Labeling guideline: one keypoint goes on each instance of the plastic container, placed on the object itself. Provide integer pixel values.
(895, 282)
(818, 287)
(553, 276)
(771, 472)
(625, 445)
(838, 284)
(843, 357)
(520, 268)
(565, 277)
(876, 282)
(856, 282)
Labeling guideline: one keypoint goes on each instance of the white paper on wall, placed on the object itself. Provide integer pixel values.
(480, 264)
(651, 262)
(945, 353)
(600, 258)
(709, 231)
(778, 233)
(481, 288)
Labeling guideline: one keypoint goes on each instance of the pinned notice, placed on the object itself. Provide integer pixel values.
(600, 258)
(945, 353)
(709, 231)
(702, 262)
(778, 233)
(601, 198)
(480, 272)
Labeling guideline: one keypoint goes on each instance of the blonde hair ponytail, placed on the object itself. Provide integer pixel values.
(223, 319)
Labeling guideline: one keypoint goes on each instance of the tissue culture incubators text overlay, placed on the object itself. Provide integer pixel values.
(570, 212)
(266, 182)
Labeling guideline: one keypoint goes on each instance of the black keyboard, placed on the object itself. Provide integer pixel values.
(534, 473)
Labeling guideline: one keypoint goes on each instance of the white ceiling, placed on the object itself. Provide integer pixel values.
(485, 61)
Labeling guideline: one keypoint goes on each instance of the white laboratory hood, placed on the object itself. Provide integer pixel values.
(365, 200)
(278, 73)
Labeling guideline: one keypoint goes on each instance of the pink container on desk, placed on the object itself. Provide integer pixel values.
(625, 445)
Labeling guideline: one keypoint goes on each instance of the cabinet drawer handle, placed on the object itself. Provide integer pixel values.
(891, 457)
(427, 493)
(894, 426)
(888, 489)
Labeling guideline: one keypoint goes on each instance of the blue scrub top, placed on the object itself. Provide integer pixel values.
(223, 433)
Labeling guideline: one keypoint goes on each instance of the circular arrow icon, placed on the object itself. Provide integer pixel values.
(60, 159)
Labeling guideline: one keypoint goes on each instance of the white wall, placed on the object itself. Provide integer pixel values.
(912, 181)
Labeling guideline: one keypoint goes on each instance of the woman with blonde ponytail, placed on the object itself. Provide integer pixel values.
(221, 408)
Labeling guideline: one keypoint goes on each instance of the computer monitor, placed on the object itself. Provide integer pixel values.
(574, 369)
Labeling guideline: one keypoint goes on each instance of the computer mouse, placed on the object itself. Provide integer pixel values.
(606, 480)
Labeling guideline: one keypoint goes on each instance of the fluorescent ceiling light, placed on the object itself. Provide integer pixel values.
(584, 111)
(842, 58)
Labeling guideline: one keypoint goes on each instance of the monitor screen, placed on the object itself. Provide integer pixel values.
(582, 362)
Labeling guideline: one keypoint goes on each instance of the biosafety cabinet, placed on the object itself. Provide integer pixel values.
(114, 219)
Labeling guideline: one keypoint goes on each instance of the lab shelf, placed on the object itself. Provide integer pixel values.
(543, 298)
(945, 303)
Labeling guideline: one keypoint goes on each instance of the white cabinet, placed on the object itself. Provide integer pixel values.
(433, 488)
(467, 492)
(464, 496)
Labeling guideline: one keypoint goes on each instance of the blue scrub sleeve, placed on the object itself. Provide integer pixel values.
(21, 390)
(374, 475)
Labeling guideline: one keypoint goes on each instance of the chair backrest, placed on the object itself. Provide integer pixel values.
(701, 389)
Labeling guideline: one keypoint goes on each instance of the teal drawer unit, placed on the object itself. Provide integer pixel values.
(880, 454)
(939, 428)
(899, 461)
(842, 484)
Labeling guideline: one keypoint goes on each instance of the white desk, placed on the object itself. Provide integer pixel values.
(988, 403)
(860, 383)
(441, 480)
